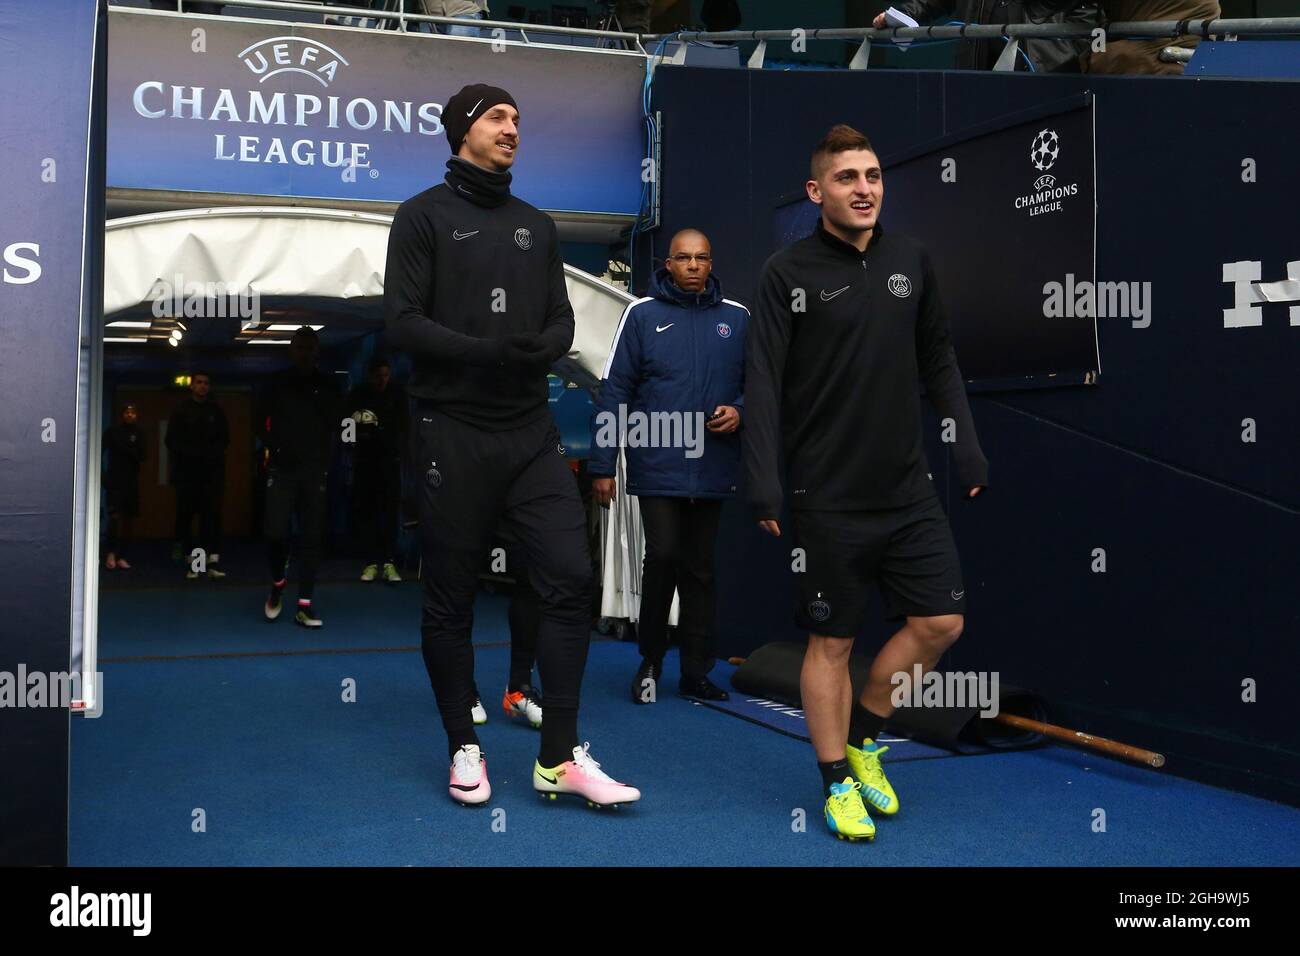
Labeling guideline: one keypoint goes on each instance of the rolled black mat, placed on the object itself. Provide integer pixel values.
(772, 672)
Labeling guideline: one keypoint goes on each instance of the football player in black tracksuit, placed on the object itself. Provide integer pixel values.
(846, 323)
(127, 448)
(198, 435)
(475, 292)
(378, 407)
(299, 414)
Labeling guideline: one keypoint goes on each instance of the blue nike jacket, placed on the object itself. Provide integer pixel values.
(675, 354)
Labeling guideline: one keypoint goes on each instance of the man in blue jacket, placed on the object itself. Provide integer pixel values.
(672, 396)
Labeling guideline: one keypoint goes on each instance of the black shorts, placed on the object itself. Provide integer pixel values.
(909, 551)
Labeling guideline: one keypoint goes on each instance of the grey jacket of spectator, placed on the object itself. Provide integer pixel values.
(1047, 55)
(451, 8)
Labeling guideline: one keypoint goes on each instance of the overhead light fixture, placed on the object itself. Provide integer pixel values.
(173, 342)
(268, 341)
(124, 339)
(124, 324)
(182, 325)
(290, 328)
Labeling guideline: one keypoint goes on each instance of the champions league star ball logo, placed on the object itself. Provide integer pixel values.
(724, 330)
(1048, 195)
(1046, 147)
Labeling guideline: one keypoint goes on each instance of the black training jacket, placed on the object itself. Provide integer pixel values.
(197, 437)
(127, 448)
(381, 421)
(460, 278)
(298, 416)
(838, 344)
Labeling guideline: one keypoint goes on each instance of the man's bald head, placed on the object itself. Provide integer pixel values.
(685, 235)
(690, 259)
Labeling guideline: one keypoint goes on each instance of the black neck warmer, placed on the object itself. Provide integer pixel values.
(480, 186)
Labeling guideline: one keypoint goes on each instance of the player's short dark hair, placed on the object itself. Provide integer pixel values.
(377, 362)
(839, 139)
(197, 372)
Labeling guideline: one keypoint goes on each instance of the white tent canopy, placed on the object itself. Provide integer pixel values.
(301, 251)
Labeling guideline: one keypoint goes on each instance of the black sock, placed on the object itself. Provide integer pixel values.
(834, 772)
(863, 724)
(559, 736)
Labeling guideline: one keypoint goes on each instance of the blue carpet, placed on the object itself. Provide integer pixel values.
(791, 720)
(218, 618)
(286, 773)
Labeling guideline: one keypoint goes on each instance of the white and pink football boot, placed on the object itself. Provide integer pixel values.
(469, 783)
(582, 777)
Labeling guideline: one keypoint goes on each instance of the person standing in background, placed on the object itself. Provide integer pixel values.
(678, 353)
(461, 9)
(299, 415)
(1142, 54)
(379, 409)
(197, 437)
(127, 448)
(1041, 54)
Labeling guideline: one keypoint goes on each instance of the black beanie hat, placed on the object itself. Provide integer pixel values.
(467, 106)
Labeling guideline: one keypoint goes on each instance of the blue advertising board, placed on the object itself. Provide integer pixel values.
(253, 107)
(49, 302)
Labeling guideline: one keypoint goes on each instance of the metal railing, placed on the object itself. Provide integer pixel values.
(1011, 32)
(1226, 28)
(402, 18)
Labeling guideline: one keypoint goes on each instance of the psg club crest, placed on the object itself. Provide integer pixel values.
(724, 330)
(819, 610)
(523, 239)
(900, 285)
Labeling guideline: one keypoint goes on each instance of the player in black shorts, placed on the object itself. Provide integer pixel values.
(848, 320)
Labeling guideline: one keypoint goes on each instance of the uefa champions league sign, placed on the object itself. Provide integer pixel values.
(256, 108)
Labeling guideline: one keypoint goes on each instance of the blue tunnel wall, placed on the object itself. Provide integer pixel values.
(1199, 527)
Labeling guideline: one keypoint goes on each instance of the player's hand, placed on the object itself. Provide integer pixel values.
(879, 21)
(726, 420)
(771, 527)
(604, 490)
(525, 352)
(974, 491)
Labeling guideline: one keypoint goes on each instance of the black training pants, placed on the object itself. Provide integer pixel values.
(680, 534)
(377, 497)
(200, 494)
(300, 490)
(470, 482)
